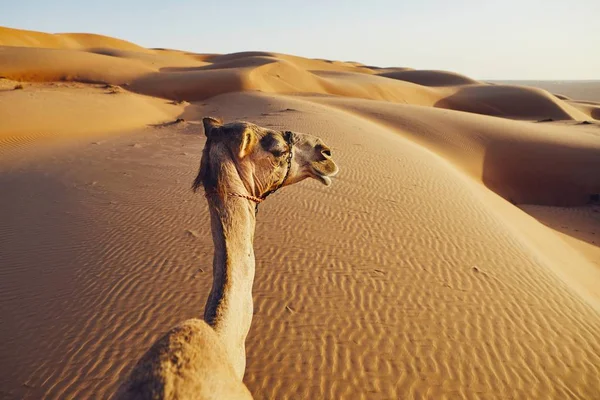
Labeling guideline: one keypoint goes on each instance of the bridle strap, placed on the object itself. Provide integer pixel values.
(257, 200)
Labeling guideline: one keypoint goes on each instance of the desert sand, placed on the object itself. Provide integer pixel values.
(456, 255)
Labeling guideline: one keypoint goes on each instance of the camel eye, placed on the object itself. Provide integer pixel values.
(273, 145)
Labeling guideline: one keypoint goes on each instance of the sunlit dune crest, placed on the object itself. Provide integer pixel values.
(456, 254)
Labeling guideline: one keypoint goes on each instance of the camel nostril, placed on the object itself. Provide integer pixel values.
(326, 153)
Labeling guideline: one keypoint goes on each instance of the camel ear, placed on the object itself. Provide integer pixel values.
(247, 143)
(210, 123)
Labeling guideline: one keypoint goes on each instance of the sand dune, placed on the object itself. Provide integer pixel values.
(66, 109)
(442, 262)
(511, 102)
(177, 75)
(23, 38)
(517, 160)
(49, 65)
(580, 90)
(589, 108)
(430, 78)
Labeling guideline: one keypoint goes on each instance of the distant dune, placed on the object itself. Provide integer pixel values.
(73, 41)
(457, 255)
(579, 90)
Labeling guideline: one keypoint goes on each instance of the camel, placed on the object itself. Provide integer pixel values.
(241, 165)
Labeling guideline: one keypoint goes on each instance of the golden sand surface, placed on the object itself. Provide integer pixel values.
(456, 255)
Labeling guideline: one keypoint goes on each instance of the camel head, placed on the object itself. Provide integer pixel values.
(261, 158)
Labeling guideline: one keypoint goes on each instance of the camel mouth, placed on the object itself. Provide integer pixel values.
(325, 177)
(325, 180)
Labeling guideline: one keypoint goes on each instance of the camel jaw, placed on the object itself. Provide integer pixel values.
(325, 180)
(323, 177)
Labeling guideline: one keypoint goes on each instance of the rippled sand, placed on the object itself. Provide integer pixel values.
(455, 256)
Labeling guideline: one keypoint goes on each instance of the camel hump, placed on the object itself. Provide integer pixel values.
(188, 362)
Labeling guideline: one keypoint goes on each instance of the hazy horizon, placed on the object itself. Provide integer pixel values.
(515, 40)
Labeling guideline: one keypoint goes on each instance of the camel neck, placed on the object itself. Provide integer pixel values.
(229, 306)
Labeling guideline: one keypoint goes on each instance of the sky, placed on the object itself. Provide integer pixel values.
(485, 39)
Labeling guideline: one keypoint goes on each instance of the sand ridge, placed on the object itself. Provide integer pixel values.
(177, 75)
(25, 38)
(438, 265)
